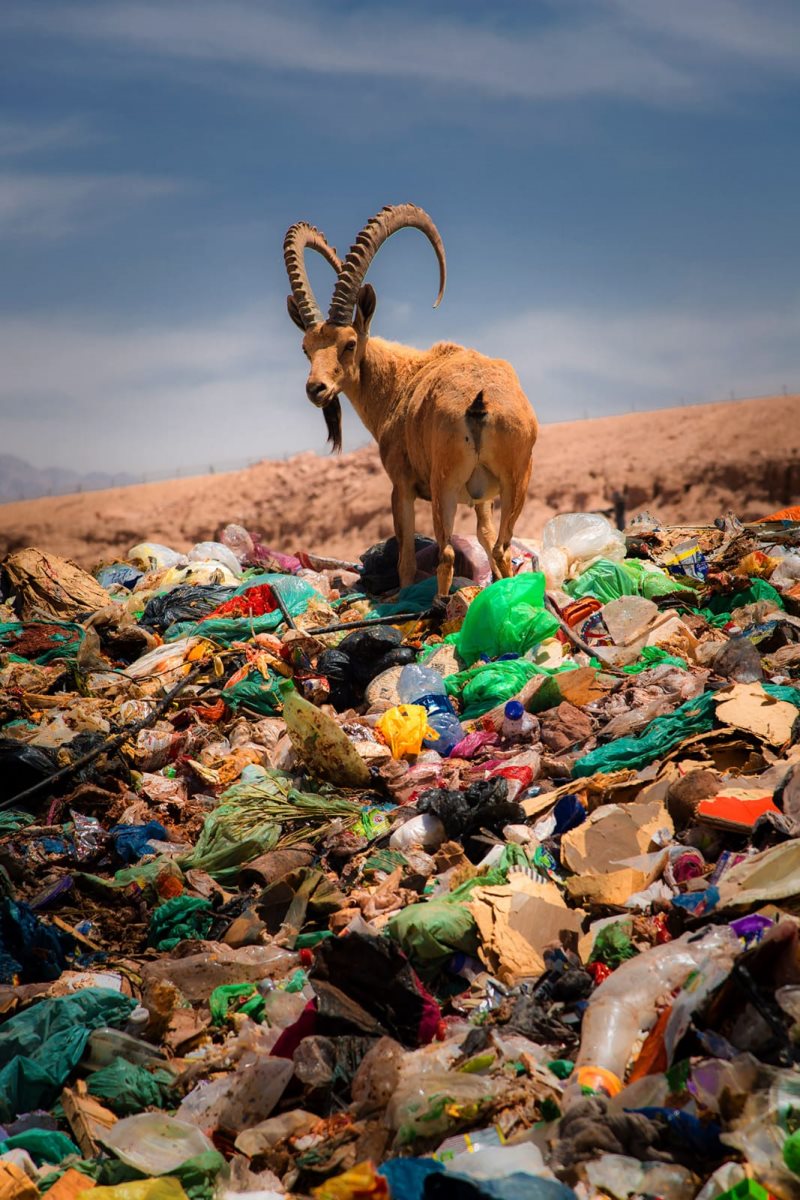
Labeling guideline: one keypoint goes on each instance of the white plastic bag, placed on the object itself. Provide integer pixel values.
(582, 538)
(216, 552)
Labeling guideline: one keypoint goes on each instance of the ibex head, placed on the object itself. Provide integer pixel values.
(335, 346)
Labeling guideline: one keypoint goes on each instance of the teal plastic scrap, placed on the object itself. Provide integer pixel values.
(127, 1088)
(663, 734)
(178, 919)
(40, 1047)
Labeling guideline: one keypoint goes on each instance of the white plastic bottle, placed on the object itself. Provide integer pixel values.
(517, 723)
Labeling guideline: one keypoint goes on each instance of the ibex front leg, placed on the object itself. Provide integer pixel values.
(403, 517)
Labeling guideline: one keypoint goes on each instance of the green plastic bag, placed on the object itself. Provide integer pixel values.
(177, 919)
(223, 848)
(117, 1181)
(65, 638)
(507, 617)
(651, 656)
(717, 609)
(41, 1046)
(126, 1088)
(257, 693)
(432, 932)
(613, 944)
(486, 685)
(606, 580)
(416, 598)
(222, 997)
(43, 1145)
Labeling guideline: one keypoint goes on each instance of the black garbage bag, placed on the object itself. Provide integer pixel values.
(188, 602)
(22, 767)
(362, 656)
(379, 565)
(31, 950)
(367, 984)
(399, 657)
(338, 670)
(366, 649)
(484, 805)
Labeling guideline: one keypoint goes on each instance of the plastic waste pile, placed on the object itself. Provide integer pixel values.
(312, 886)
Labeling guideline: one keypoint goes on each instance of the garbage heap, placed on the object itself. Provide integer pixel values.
(314, 887)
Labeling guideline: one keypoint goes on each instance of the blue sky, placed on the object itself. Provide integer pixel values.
(615, 181)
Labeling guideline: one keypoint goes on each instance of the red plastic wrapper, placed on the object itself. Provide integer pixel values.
(598, 971)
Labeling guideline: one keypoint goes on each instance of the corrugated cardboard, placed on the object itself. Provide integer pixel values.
(517, 922)
(747, 706)
(611, 834)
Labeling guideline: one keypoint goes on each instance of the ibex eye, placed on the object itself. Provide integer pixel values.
(350, 347)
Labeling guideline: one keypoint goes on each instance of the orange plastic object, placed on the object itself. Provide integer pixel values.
(598, 1079)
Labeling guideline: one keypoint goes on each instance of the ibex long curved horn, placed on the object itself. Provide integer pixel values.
(298, 238)
(366, 246)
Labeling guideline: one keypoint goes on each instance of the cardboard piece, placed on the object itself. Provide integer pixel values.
(15, 1184)
(88, 1118)
(517, 922)
(747, 706)
(616, 887)
(580, 686)
(611, 834)
(609, 853)
(774, 874)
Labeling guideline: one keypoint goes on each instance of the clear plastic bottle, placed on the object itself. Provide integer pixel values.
(416, 681)
(517, 723)
(442, 718)
(423, 685)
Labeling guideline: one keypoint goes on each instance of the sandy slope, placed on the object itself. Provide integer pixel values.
(683, 463)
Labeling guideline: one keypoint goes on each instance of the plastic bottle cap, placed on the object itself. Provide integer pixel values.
(514, 710)
(599, 1079)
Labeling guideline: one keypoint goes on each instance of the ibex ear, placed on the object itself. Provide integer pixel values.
(294, 313)
(365, 309)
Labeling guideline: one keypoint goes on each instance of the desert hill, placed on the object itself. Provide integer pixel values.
(685, 464)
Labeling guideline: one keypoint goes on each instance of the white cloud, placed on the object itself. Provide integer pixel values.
(152, 398)
(574, 361)
(662, 53)
(19, 139)
(51, 205)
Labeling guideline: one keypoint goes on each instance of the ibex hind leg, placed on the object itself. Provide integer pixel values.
(403, 517)
(444, 501)
(487, 534)
(513, 494)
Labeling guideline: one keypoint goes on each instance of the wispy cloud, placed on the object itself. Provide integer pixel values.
(664, 54)
(577, 361)
(155, 397)
(46, 205)
(20, 139)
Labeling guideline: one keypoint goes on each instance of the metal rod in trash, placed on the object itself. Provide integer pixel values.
(396, 619)
(287, 616)
(112, 743)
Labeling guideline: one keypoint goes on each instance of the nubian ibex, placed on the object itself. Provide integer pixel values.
(452, 426)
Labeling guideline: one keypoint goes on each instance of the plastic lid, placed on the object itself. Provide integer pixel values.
(514, 710)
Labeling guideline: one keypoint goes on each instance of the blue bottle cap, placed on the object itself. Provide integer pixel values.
(514, 710)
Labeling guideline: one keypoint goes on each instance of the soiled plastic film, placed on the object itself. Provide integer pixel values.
(625, 1004)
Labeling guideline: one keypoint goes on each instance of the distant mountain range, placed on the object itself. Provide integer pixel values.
(21, 481)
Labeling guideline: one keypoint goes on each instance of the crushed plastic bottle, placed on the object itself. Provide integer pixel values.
(517, 723)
